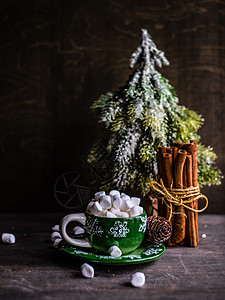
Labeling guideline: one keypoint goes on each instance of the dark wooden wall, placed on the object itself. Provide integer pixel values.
(57, 57)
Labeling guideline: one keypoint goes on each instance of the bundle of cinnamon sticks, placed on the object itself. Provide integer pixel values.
(178, 170)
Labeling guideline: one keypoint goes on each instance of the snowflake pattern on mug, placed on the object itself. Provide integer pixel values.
(92, 227)
(119, 229)
(142, 227)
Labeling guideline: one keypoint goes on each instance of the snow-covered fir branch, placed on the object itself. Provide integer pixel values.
(147, 53)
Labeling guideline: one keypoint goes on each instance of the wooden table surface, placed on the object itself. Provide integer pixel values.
(33, 269)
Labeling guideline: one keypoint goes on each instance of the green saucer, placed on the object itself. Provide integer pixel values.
(144, 253)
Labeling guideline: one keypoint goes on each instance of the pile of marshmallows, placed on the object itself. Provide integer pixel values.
(115, 205)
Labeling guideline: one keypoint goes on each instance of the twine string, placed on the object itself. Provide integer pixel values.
(179, 197)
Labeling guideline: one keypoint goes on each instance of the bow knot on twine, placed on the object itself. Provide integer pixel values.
(179, 197)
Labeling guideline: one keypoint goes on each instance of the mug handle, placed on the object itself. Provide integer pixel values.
(79, 217)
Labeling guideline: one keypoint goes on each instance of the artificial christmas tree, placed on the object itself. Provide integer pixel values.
(139, 117)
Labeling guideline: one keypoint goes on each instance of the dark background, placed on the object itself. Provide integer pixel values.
(57, 57)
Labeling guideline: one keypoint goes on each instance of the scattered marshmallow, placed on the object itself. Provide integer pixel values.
(56, 243)
(114, 210)
(110, 215)
(138, 279)
(78, 230)
(55, 228)
(122, 215)
(98, 195)
(8, 238)
(87, 270)
(113, 193)
(134, 211)
(135, 201)
(115, 251)
(204, 235)
(96, 208)
(55, 235)
(122, 194)
(105, 202)
(116, 201)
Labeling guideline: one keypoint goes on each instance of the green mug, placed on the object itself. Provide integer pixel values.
(102, 232)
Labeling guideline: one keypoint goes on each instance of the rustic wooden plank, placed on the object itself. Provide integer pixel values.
(31, 268)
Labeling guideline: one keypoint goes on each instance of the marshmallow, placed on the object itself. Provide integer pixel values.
(135, 201)
(122, 215)
(141, 210)
(90, 205)
(105, 202)
(55, 228)
(8, 238)
(114, 205)
(56, 243)
(116, 201)
(110, 215)
(114, 210)
(102, 213)
(138, 279)
(125, 197)
(113, 193)
(115, 251)
(55, 235)
(93, 200)
(98, 195)
(87, 270)
(78, 230)
(134, 211)
(96, 208)
(126, 204)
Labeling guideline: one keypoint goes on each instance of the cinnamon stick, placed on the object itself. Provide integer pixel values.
(169, 150)
(189, 169)
(195, 183)
(167, 170)
(160, 151)
(194, 164)
(179, 167)
(155, 207)
(185, 173)
(179, 222)
(191, 238)
(174, 153)
(192, 149)
(150, 205)
(168, 182)
(174, 156)
(178, 145)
